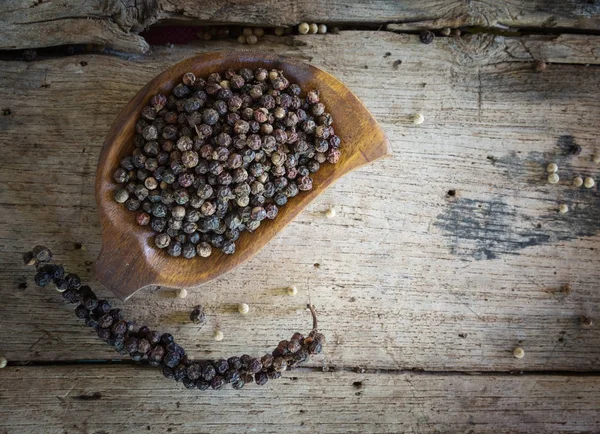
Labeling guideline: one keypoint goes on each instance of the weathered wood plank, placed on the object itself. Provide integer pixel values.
(406, 276)
(116, 25)
(116, 399)
(507, 15)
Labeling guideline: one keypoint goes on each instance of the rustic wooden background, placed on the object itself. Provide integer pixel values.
(442, 259)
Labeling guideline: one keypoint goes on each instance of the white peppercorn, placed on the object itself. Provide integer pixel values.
(162, 240)
(553, 178)
(588, 182)
(303, 28)
(121, 195)
(313, 29)
(204, 250)
(417, 118)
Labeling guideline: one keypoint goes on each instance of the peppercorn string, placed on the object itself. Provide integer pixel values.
(161, 350)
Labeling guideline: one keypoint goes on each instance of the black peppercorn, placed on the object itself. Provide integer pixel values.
(426, 36)
(261, 378)
(267, 125)
(197, 315)
(217, 382)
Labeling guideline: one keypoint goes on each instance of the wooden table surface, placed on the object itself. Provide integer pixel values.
(441, 259)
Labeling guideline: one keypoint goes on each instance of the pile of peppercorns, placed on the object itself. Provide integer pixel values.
(161, 350)
(219, 156)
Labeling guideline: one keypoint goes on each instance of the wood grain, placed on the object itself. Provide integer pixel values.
(128, 260)
(406, 276)
(116, 399)
(116, 24)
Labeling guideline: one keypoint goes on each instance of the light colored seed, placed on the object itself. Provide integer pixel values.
(292, 290)
(279, 31)
(60, 290)
(518, 353)
(552, 168)
(251, 39)
(596, 158)
(181, 293)
(589, 182)
(247, 31)
(313, 29)
(303, 28)
(258, 31)
(225, 84)
(330, 213)
(322, 29)
(553, 178)
(3, 362)
(273, 74)
(417, 118)
(563, 209)
(241, 39)
(243, 308)
(540, 66)
(446, 31)
(577, 181)
(218, 335)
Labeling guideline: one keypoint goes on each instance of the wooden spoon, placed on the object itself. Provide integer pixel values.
(128, 261)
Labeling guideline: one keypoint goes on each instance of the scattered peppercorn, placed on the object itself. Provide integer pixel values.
(586, 322)
(149, 346)
(221, 154)
(577, 181)
(417, 118)
(243, 308)
(518, 353)
(588, 182)
(539, 66)
(553, 178)
(330, 213)
(218, 335)
(426, 36)
(197, 316)
(563, 209)
(292, 290)
(3, 362)
(552, 168)
(303, 28)
(182, 293)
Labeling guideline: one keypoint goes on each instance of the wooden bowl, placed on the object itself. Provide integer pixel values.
(128, 261)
